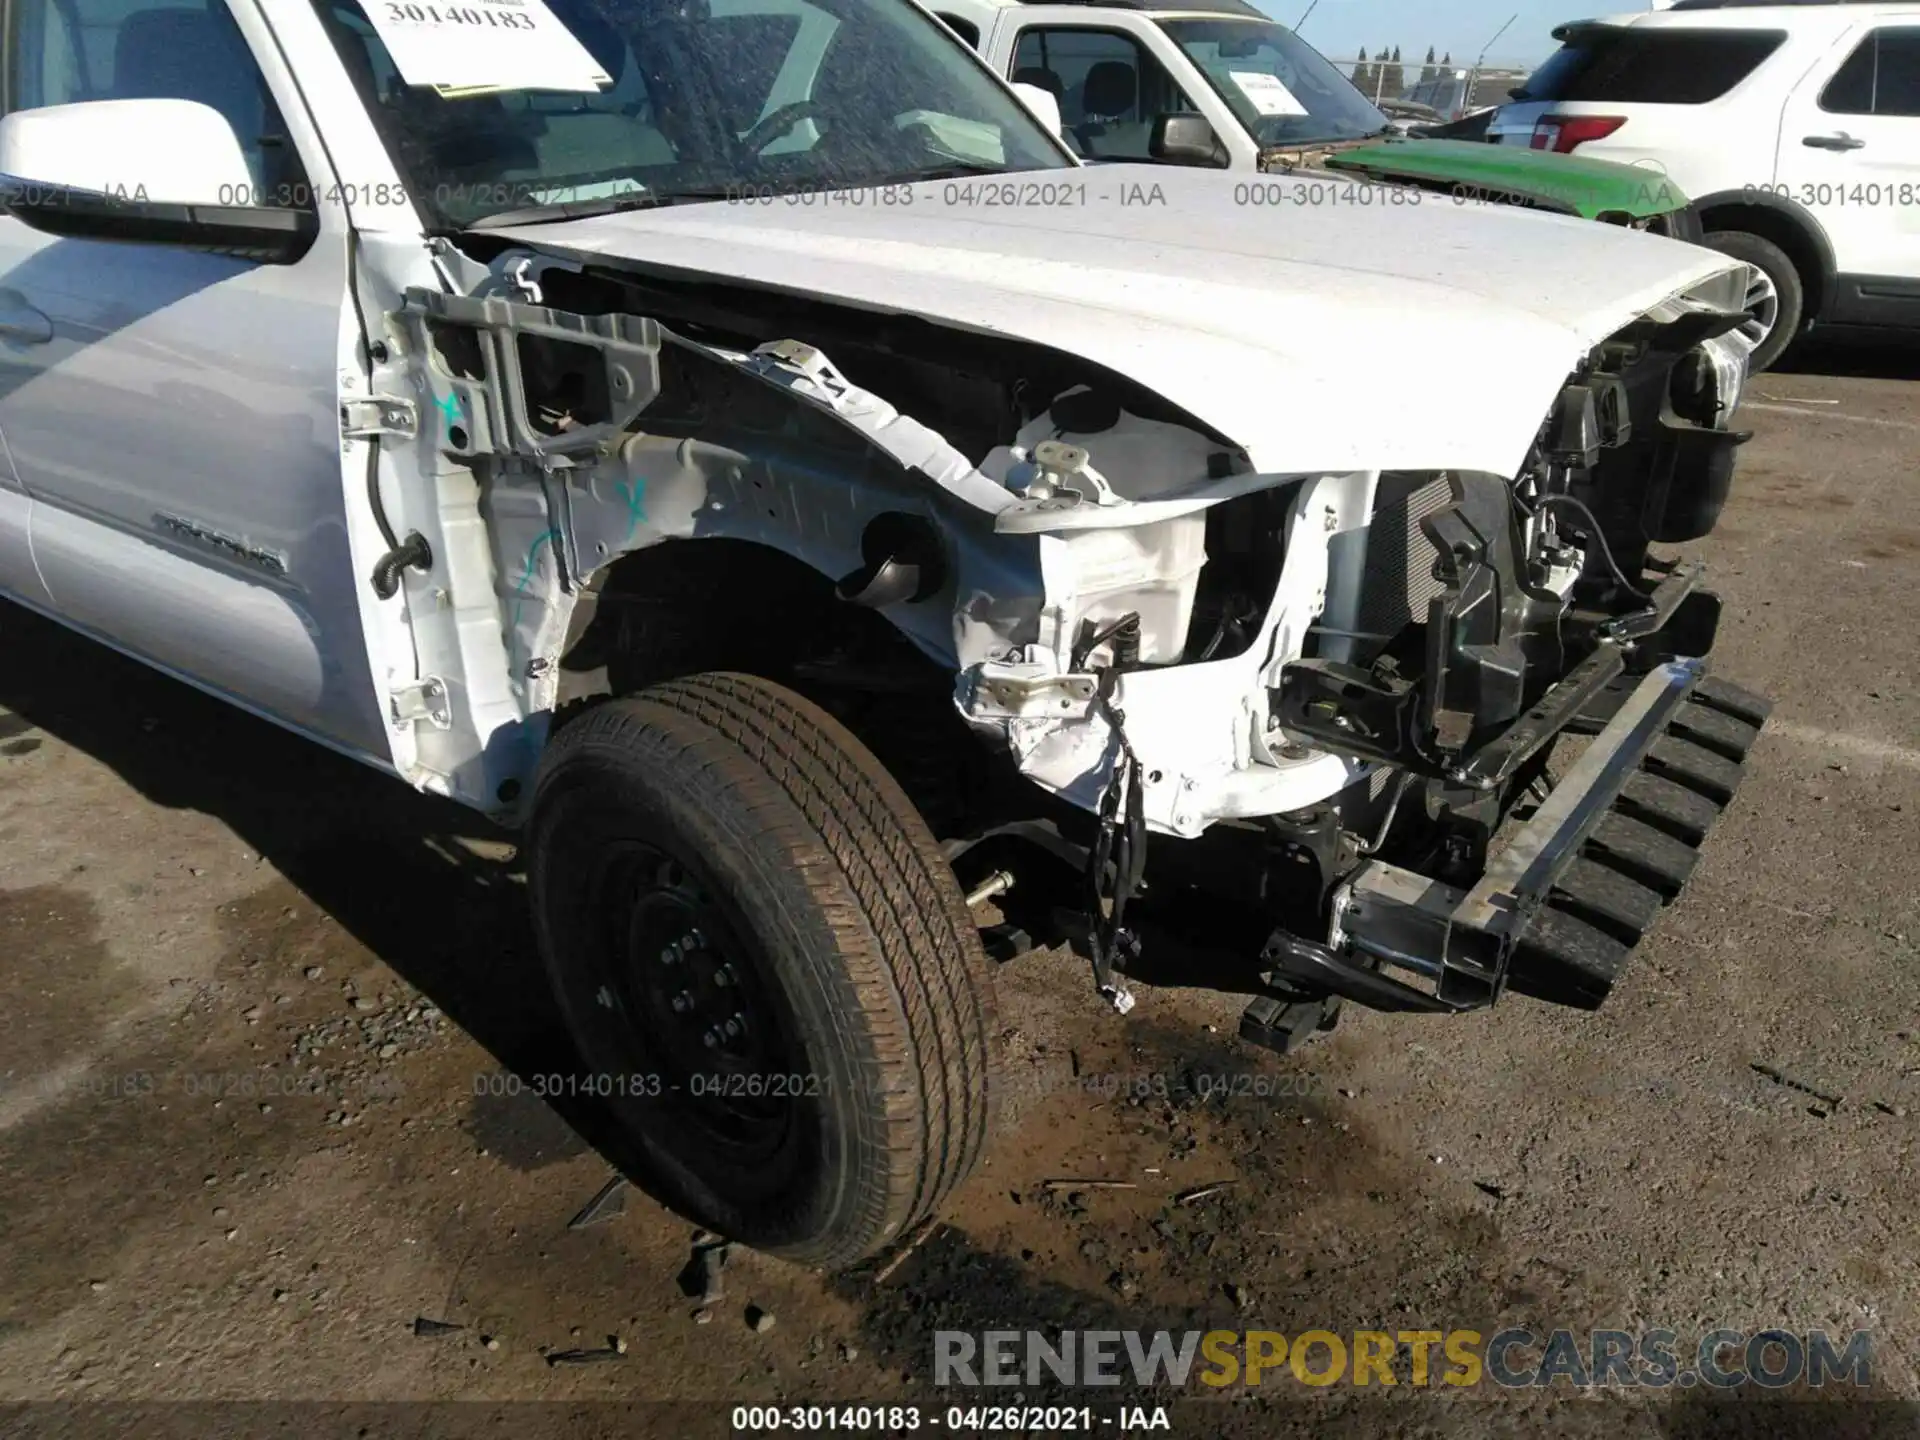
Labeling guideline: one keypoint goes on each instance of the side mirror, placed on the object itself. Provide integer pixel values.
(1184, 139)
(1043, 103)
(166, 172)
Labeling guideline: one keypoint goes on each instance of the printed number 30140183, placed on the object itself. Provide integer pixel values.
(405, 13)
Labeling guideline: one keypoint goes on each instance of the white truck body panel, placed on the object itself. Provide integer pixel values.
(1267, 329)
(182, 483)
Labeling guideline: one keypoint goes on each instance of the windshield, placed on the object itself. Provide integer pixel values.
(1282, 89)
(490, 106)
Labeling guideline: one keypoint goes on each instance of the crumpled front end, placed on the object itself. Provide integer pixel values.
(1375, 668)
(1299, 705)
(1229, 615)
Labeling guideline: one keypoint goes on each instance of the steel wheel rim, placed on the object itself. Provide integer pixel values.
(694, 1010)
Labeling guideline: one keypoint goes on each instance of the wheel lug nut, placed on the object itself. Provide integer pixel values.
(682, 1003)
(712, 1037)
(723, 976)
(669, 955)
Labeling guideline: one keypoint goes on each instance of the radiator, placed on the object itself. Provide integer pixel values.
(1399, 581)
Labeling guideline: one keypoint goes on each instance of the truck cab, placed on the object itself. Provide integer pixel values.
(1117, 69)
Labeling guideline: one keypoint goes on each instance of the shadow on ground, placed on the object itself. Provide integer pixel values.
(1855, 357)
(392, 866)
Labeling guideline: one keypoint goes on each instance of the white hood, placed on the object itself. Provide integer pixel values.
(1420, 334)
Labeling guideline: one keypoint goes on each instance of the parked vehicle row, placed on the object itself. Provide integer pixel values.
(1219, 83)
(739, 443)
(1795, 128)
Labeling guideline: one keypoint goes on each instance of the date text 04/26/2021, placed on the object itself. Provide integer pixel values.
(953, 1419)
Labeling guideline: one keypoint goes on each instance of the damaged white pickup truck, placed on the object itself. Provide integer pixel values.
(736, 441)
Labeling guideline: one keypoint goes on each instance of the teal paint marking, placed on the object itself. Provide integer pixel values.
(635, 494)
(452, 410)
(546, 537)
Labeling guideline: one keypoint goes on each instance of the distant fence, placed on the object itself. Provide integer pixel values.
(1453, 90)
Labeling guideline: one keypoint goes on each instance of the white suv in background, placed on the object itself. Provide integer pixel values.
(1796, 128)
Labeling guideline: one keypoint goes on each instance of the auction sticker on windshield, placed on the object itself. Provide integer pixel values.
(483, 45)
(1268, 95)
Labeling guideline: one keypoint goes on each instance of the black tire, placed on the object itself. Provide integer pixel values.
(1789, 288)
(731, 806)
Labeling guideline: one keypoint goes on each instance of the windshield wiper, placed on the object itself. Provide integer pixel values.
(588, 209)
(561, 210)
(958, 170)
(1321, 142)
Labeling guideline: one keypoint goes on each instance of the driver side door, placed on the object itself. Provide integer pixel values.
(177, 418)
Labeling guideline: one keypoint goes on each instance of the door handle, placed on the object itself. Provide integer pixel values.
(1842, 141)
(22, 323)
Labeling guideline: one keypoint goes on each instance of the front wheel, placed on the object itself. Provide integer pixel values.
(767, 966)
(1776, 300)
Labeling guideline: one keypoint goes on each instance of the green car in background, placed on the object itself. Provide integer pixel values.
(1219, 83)
(1566, 184)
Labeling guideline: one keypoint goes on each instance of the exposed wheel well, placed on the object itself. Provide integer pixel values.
(689, 607)
(1791, 234)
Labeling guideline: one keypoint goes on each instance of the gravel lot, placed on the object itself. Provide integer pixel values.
(268, 1023)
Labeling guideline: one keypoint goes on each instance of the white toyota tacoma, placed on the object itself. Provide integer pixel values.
(736, 442)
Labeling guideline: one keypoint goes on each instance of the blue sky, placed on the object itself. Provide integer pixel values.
(1340, 27)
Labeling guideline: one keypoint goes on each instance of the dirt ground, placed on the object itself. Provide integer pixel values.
(270, 1027)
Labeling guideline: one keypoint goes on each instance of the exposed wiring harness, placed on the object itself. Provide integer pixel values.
(1599, 538)
(1117, 861)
